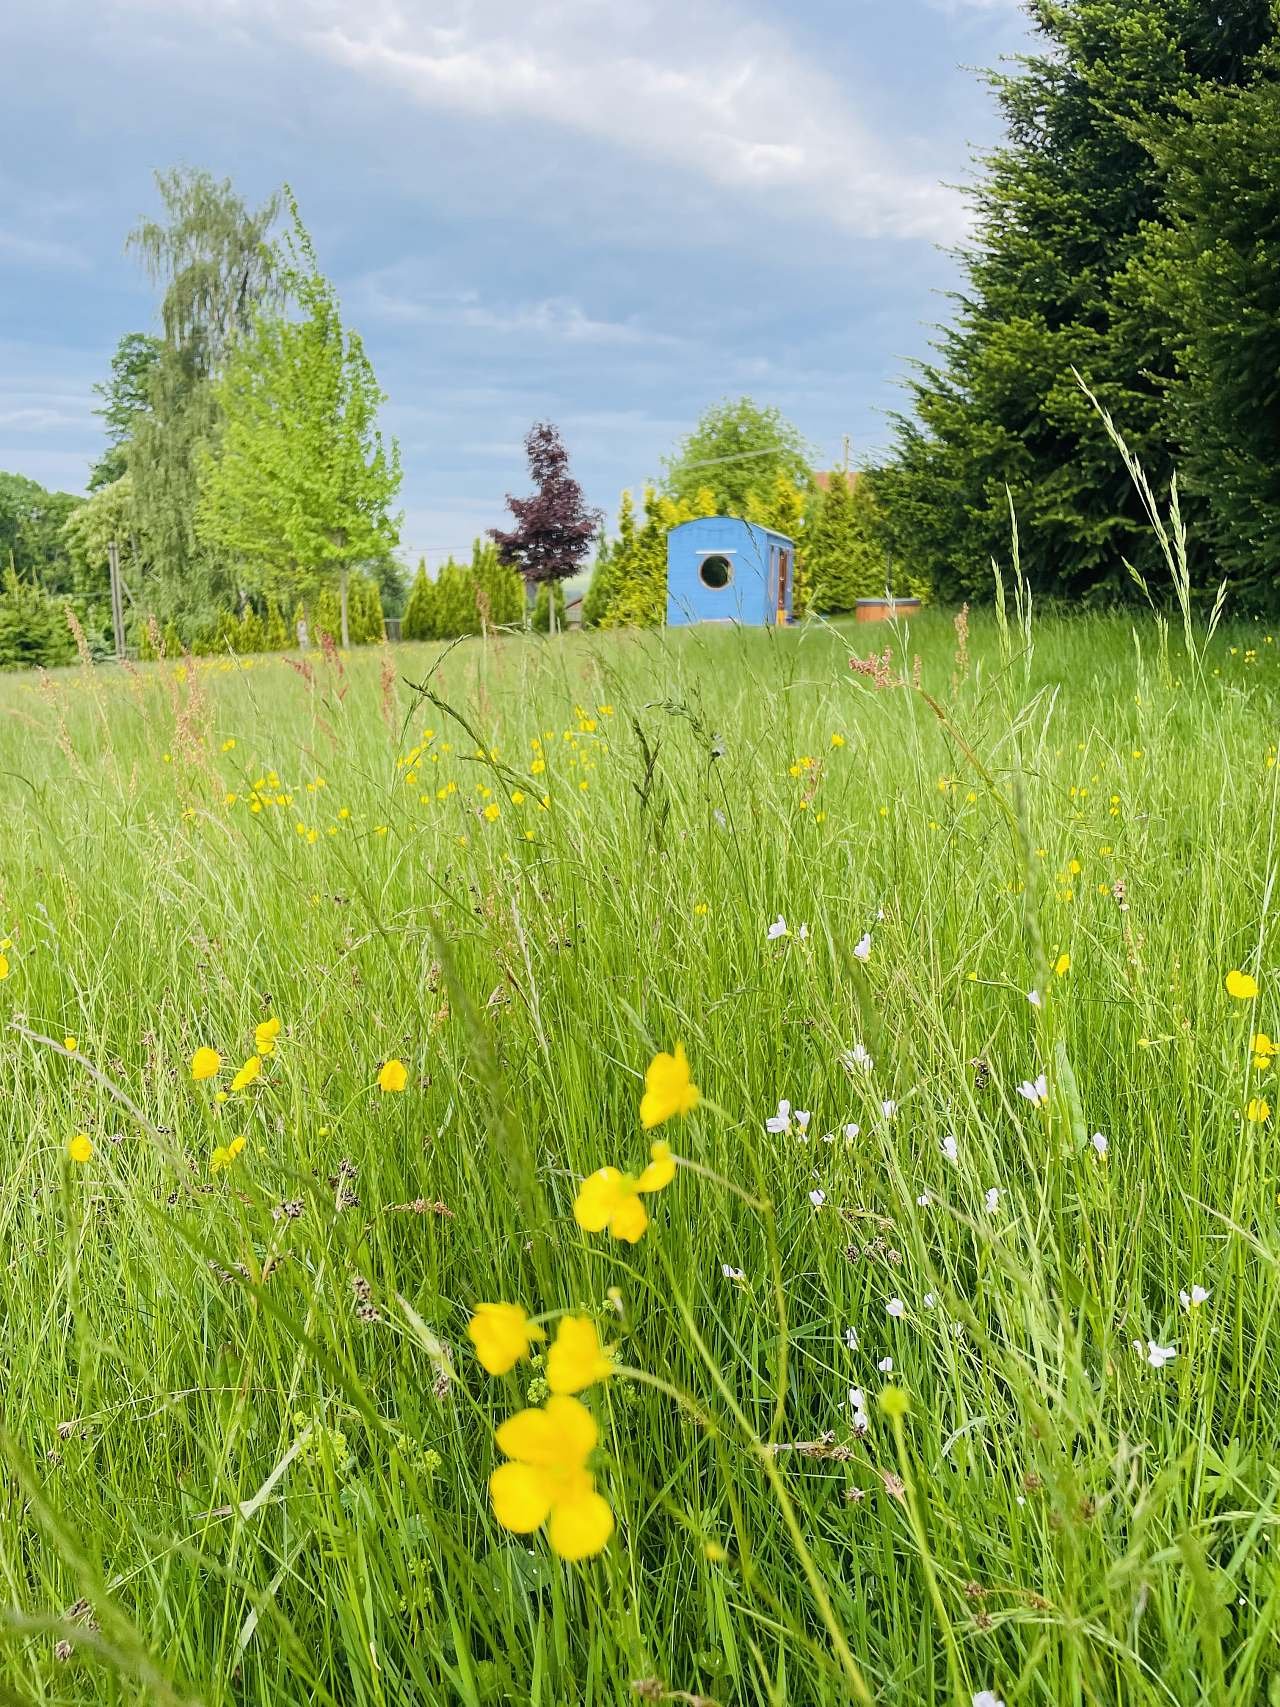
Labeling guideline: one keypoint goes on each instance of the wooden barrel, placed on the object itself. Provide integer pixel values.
(884, 610)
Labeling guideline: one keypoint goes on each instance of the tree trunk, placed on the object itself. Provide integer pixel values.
(342, 604)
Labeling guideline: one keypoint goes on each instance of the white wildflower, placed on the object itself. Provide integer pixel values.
(1194, 1299)
(777, 929)
(1035, 1090)
(896, 1308)
(862, 948)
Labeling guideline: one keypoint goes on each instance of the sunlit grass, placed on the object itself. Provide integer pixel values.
(246, 1438)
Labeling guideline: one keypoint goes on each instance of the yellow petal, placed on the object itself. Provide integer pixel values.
(660, 1171)
(668, 1089)
(247, 1074)
(1240, 985)
(205, 1063)
(521, 1497)
(580, 1528)
(574, 1429)
(393, 1075)
(528, 1437)
(598, 1198)
(629, 1220)
(577, 1359)
(501, 1334)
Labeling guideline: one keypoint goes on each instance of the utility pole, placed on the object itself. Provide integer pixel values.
(117, 599)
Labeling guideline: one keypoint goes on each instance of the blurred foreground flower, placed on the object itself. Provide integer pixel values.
(668, 1089)
(577, 1359)
(610, 1199)
(502, 1335)
(80, 1147)
(548, 1481)
(264, 1036)
(1241, 986)
(225, 1154)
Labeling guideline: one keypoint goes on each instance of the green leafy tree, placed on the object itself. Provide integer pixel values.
(737, 447)
(211, 254)
(126, 398)
(300, 484)
(1066, 208)
(31, 530)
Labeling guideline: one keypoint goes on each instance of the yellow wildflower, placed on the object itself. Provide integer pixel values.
(4, 965)
(1240, 985)
(576, 1358)
(225, 1154)
(247, 1074)
(668, 1089)
(1264, 1051)
(1259, 1109)
(392, 1075)
(205, 1064)
(493, 811)
(547, 1480)
(80, 1147)
(609, 1199)
(502, 1335)
(264, 1036)
(70, 1044)
(1062, 965)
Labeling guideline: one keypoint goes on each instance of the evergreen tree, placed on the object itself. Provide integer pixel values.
(1211, 281)
(846, 545)
(419, 619)
(613, 565)
(640, 598)
(33, 626)
(500, 585)
(1065, 210)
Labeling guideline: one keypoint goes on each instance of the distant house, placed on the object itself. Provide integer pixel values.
(723, 569)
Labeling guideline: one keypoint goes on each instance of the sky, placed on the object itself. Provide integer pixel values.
(606, 213)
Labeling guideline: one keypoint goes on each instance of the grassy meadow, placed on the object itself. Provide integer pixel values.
(246, 1438)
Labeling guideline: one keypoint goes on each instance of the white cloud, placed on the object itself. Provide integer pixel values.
(702, 89)
(556, 319)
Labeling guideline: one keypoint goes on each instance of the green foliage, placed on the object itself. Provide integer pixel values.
(637, 573)
(612, 559)
(549, 598)
(748, 447)
(31, 530)
(126, 398)
(499, 589)
(1067, 211)
(846, 553)
(419, 619)
(218, 271)
(300, 483)
(33, 626)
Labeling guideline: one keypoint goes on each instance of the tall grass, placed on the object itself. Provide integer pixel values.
(245, 1439)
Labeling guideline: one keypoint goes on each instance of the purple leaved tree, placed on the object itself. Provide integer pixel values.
(555, 527)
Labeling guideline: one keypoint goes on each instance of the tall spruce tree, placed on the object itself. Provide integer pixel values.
(1066, 208)
(1211, 282)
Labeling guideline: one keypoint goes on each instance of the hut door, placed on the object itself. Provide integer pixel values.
(784, 571)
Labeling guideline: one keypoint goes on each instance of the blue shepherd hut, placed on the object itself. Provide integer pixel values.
(721, 569)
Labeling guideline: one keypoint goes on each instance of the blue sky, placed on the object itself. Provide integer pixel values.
(608, 213)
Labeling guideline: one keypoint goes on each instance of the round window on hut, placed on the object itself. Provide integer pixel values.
(715, 572)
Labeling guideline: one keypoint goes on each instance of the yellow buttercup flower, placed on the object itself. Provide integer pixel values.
(80, 1148)
(247, 1074)
(1241, 986)
(1062, 965)
(609, 1199)
(393, 1075)
(225, 1154)
(668, 1089)
(4, 966)
(206, 1064)
(264, 1036)
(1259, 1109)
(576, 1358)
(1264, 1051)
(70, 1044)
(502, 1335)
(547, 1480)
